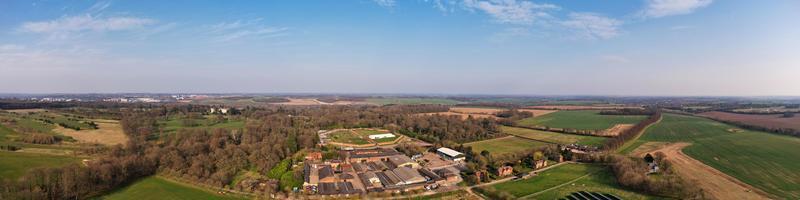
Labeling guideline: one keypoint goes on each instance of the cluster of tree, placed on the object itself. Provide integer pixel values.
(410, 149)
(491, 104)
(627, 111)
(632, 173)
(510, 117)
(74, 181)
(39, 138)
(9, 147)
(631, 133)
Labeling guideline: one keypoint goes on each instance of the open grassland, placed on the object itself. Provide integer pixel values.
(160, 188)
(108, 133)
(15, 164)
(767, 121)
(766, 161)
(580, 119)
(176, 123)
(411, 101)
(508, 144)
(558, 182)
(552, 137)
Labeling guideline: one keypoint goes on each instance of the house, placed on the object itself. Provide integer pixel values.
(314, 156)
(381, 136)
(402, 161)
(450, 176)
(505, 171)
(450, 154)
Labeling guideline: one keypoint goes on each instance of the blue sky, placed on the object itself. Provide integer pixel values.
(636, 47)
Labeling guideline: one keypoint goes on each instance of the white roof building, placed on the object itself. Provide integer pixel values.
(450, 154)
(379, 136)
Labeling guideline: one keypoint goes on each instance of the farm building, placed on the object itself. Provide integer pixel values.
(402, 161)
(450, 154)
(381, 136)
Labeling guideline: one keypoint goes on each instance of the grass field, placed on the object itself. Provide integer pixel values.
(159, 188)
(766, 161)
(15, 164)
(411, 101)
(580, 119)
(347, 136)
(553, 137)
(510, 144)
(557, 182)
(176, 123)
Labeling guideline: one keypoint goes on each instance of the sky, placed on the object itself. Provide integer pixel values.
(519, 47)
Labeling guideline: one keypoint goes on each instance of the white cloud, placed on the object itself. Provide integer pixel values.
(86, 23)
(592, 26)
(662, 8)
(224, 32)
(512, 11)
(385, 3)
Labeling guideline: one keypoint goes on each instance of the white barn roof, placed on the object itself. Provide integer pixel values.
(449, 152)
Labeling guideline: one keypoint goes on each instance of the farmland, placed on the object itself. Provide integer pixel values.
(553, 137)
(762, 120)
(359, 136)
(160, 188)
(580, 119)
(15, 164)
(508, 144)
(411, 101)
(560, 181)
(766, 161)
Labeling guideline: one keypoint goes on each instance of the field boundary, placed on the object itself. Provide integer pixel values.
(638, 135)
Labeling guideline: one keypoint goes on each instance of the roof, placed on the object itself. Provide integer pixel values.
(382, 135)
(367, 153)
(449, 152)
(325, 171)
(398, 160)
(408, 175)
(430, 174)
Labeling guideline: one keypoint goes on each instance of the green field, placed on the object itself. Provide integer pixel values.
(768, 161)
(176, 123)
(553, 137)
(580, 119)
(160, 188)
(412, 101)
(503, 145)
(347, 136)
(15, 164)
(556, 183)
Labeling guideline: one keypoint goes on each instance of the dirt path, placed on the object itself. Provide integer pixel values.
(717, 185)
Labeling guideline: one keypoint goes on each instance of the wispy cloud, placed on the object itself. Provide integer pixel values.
(229, 31)
(592, 25)
(662, 8)
(385, 3)
(512, 11)
(86, 23)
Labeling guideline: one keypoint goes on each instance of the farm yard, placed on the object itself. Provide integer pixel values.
(161, 188)
(766, 161)
(553, 137)
(580, 119)
(563, 180)
(762, 120)
(508, 144)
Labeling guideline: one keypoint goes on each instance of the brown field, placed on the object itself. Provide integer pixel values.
(715, 184)
(468, 110)
(615, 130)
(570, 107)
(769, 121)
(109, 133)
(537, 113)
